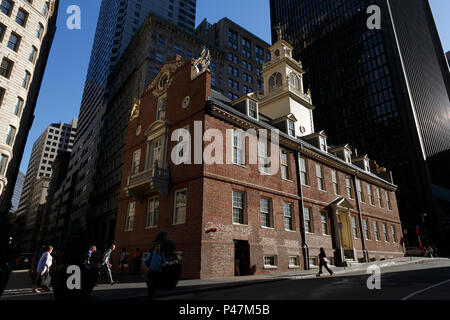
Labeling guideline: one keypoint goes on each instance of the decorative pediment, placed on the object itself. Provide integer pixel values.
(164, 79)
(342, 203)
(156, 129)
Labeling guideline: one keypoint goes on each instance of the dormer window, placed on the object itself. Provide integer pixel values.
(275, 82)
(252, 109)
(291, 128)
(323, 143)
(348, 157)
(366, 165)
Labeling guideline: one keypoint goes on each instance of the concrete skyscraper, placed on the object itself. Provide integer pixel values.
(387, 90)
(56, 138)
(27, 29)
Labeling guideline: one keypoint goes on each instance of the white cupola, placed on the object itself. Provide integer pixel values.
(283, 89)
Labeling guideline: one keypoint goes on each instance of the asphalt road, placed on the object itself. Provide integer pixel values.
(427, 281)
(411, 282)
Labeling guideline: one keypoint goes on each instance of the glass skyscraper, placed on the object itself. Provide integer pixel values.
(386, 91)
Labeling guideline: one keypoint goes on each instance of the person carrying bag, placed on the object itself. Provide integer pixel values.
(152, 272)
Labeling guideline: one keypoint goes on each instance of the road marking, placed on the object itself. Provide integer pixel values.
(426, 289)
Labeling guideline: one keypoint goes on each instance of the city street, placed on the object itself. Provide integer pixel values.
(419, 281)
(397, 283)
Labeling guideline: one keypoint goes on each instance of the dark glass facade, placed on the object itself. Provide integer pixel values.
(385, 91)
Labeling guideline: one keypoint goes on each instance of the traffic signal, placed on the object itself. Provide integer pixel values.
(211, 230)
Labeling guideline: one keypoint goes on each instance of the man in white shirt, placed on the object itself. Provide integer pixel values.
(43, 268)
(106, 263)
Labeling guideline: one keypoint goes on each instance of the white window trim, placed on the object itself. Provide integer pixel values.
(268, 266)
(244, 208)
(248, 109)
(127, 225)
(288, 165)
(242, 149)
(296, 266)
(147, 213)
(292, 216)
(321, 178)
(306, 171)
(175, 207)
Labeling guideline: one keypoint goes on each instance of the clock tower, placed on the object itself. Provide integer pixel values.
(283, 89)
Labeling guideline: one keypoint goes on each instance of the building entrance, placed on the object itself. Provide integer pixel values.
(241, 258)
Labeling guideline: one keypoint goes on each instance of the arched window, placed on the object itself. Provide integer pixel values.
(294, 81)
(275, 81)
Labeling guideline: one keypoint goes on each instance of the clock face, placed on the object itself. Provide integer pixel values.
(186, 102)
(163, 80)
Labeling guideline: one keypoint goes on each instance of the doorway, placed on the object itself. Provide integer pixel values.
(241, 258)
(346, 235)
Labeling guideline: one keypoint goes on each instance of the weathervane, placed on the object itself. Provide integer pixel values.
(279, 32)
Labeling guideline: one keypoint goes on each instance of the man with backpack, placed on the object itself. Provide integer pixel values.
(154, 263)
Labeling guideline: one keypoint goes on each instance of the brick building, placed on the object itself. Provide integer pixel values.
(268, 218)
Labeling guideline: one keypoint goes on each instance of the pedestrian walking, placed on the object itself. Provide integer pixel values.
(154, 263)
(323, 262)
(34, 263)
(90, 258)
(106, 263)
(430, 251)
(43, 270)
(137, 261)
(123, 260)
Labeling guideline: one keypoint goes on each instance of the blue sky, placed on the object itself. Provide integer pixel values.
(62, 86)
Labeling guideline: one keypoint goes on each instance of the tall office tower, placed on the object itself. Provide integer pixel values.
(117, 23)
(53, 223)
(448, 57)
(386, 90)
(57, 137)
(27, 29)
(245, 54)
(17, 192)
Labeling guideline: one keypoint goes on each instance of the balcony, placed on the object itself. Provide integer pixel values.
(148, 181)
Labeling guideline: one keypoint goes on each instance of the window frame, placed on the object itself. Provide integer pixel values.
(25, 18)
(10, 9)
(286, 166)
(320, 178)
(152, 216)
(238, 156)
(268, 214)
(176, 207)
(7, 75)
(324, 219)
(303, 171)
(289, 220)
(355, 230)
(308, 223)
(130, 218)
(270, 266)
(243, 208)
(335, 181)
